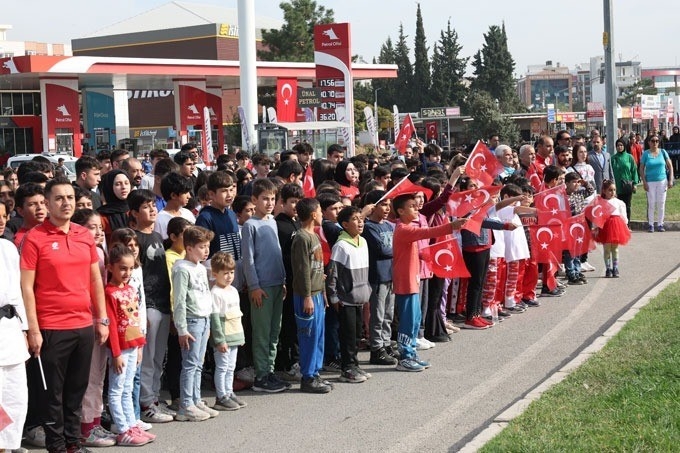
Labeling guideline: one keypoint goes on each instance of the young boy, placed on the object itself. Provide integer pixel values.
(307, 289)
(192, 309)
(157, 291)
(226, 330)
(405, 274)
(218, 218)
(176, 191)
(578, 190)
(30, 205)
(378, 234)
(349, 290)
(287, 226)
(552, 176)
(265, 277)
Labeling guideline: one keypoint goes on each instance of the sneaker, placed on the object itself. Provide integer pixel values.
(332, 367)
(660, 229)
(226, 404)
(246, 374)
(143, 425)
(422, 344)
(35, 437)
(423, 363)
(587, 267)
(313, 385)
(409, 365)
(393, 352)
(148, 435)
(475, 324)
(488, 320)
(608, 274)
(531, 303)
(238, 400)
(650, 228)
(583, 278)
(163, 408)
(352, 375)
(615, 272)
(174, 405)
(381, 357)
(73, 448)
(275, 378)
(202, 406)
(545, 292)
(502, 313)
(561, 285)
(457, 318)
(293, 374)
(575, 281)
(153, 414)
(99, 437)
(191, 414)
(268, 385)
(363, 372)
(515, 310)
(133, 437)
(521, 304)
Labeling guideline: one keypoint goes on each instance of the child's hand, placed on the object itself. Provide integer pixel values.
(256, 297)
(184, 341)
(140, 354)
(223, 348)
(118, 364)
(458, 223)
(366, 211)
(308, 306)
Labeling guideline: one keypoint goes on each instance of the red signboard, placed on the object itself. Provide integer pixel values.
(61, 110)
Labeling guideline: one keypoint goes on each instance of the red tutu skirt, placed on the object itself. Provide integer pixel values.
(614, 231)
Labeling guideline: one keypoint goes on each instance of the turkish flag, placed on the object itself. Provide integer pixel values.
(598, 211)
(445, 259)
(403, 187)
(552, 205)
(534, 178)
(545, 240)
(483, 164)
(405, 134)
(286, 100)
(308, 183)
(474, 222)
(461, 203)
(431, 128)
(579, 239)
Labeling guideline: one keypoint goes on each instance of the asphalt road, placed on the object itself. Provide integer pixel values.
(472, 379)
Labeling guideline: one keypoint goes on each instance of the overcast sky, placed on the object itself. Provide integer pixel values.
(538, 30)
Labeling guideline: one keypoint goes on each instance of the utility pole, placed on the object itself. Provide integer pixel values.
(609, 76)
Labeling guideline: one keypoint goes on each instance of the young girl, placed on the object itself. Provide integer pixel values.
(93, 433)
(125, 341)
(587, 172)
(174, 250)
(128, 238)
(615, 231)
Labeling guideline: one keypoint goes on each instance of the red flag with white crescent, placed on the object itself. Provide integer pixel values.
(474, 222)
(483, 164)
(445, 259)
(546, 240)
(308, 183)
(552, 204)
(534, 178)
(579, 239)
(431, 128)
(405, 133)
(598, 211)
(405, 186)
(461, 203)
(286, 100)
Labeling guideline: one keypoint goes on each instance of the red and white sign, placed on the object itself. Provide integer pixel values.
(190, 98)
(595, 111)
(61, 110)
(286, 100)
(214, 98)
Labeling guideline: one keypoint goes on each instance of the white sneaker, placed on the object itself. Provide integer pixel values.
(201, 406)
(587, 267)
(422, 344)
(143, 425)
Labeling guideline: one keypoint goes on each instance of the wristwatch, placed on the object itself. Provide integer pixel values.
(102, 321)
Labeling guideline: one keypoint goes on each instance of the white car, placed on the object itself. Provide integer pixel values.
(69, 161)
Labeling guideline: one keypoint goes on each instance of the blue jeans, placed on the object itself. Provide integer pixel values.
(408, 306)
(135, 392)
(572, 266)
(120, 391)
(310, 333)
(192, 362)
(225, 364)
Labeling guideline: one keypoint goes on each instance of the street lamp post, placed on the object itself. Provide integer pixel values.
(377, 123)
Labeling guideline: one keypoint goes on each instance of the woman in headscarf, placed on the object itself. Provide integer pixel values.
(115, 188)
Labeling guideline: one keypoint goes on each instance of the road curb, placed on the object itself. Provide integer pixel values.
(499, 422)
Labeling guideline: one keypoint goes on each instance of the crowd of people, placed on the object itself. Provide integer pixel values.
(147, 275)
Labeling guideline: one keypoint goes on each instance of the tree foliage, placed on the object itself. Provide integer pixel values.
(295, 40)
(421, 66)
(488, 119)
(629, 95)
(448, 70)
(404, 83)
(494, 69)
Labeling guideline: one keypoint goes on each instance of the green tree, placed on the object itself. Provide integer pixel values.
(494, 69)
(387, 94)
(404, 83)
(421, 67)
(295, 40)
(448, 70)
(488, 119)
(629, 95)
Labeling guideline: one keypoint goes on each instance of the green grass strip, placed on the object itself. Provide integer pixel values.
(626, 398)
(639, 204)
